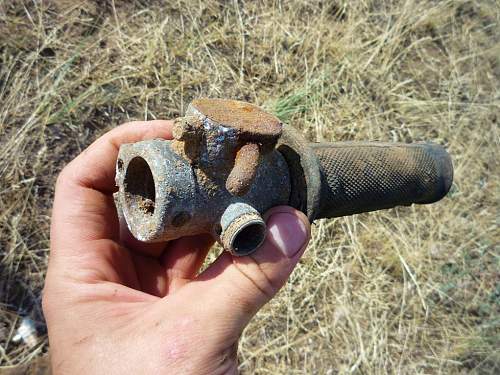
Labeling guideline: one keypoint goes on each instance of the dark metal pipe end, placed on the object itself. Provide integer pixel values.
(243, 229)
(444, 171)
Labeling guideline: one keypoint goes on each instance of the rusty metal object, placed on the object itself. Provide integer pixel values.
(245, 168)
(247, 130)
(230, 161)
(189, 132)
(250, 122)
(215, 177)
(242, 228)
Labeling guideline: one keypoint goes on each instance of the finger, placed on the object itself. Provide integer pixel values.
(84, 211)
(183, 258)
(235, 288)
(153, 250)
(95, 166)
(151, 275)
(179, 265)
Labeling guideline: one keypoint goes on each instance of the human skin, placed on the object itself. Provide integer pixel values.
(114, 305)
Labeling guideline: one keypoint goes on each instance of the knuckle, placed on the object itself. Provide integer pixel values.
(257, 277)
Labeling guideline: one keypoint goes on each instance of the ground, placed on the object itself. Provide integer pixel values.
(407, 290)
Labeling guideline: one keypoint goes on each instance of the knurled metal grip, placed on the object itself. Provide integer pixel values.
(362, 177)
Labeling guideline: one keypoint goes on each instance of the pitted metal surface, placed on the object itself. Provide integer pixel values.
(249, 121)
(230, 161)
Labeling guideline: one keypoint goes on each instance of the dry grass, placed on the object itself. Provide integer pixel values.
(409, 290)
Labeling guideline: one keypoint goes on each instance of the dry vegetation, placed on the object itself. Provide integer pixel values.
(409, 290)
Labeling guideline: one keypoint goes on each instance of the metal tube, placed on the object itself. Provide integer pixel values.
(242, 229)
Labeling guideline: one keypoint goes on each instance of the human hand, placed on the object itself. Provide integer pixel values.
(114, 305)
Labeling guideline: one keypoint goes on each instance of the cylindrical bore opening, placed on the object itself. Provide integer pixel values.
(249, 238)
(139, 186)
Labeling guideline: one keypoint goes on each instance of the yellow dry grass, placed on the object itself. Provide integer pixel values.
(408, 290)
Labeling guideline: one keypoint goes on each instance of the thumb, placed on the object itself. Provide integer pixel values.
(237, 287)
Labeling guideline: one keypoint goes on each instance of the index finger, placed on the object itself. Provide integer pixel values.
(95, 167)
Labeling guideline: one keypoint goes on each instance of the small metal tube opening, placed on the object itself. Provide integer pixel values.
(249, 238)
(243, 230)
(139, 188)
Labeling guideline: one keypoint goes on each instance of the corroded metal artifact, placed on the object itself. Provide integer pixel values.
(230, 161)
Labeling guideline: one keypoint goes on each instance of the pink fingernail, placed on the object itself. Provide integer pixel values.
(288, 233)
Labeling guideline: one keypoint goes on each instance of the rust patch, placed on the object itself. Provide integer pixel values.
(209, 183)
(245, 167)
(188, 134)
(251, 122)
